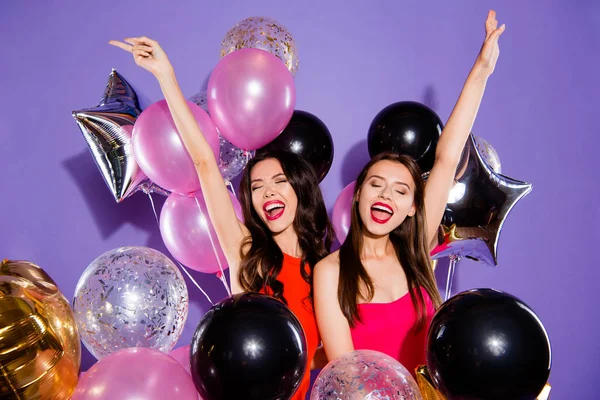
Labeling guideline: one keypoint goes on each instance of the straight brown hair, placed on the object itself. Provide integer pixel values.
(410, 244)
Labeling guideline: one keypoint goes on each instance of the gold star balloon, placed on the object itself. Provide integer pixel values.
(478, 205)
(40, 350)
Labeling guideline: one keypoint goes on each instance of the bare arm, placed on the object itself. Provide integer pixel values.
(333, 325)
(230, 231)
(458, 128)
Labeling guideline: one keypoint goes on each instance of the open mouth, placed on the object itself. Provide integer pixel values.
(273, 209)
(381, 213)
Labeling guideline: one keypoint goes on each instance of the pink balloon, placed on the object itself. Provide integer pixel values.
(185, 231)
(136, 373)
(251, 97)
(160, 152)
(341, 215)
(182, 356)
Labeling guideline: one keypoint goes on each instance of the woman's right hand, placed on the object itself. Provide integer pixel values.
(147, 53)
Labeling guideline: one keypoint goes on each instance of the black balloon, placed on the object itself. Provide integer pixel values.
(248, 346)
(486, 344)
(408, 128)
(307, 136)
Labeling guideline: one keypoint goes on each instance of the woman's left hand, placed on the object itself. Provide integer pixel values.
(488, 55)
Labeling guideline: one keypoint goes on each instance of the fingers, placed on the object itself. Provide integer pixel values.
(121, 45)
(142, 47)
(491, 23)
(141, 53)
(497, 32)
(141, 40)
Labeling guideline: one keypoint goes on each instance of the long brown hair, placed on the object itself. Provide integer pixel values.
(262, 262)
(410, 244)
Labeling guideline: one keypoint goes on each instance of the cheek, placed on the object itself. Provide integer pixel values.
(256, 203)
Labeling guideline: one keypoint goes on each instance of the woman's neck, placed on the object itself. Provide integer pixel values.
(287, 240)
(376, 246)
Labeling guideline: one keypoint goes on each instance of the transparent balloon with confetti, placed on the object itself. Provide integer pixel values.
(262, 33)
(130, 297)
(365, 375)
(232, 159)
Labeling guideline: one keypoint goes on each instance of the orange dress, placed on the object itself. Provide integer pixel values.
(296, 291)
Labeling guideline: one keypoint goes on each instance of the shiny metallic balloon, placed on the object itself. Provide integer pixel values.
(364, 375)
(426, 385)
(130, 297)
(107, 129)
(40, 352)
(489, 154)
(262, 33)
(477, 207)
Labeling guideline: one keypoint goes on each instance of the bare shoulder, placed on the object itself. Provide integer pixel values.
(329, 267)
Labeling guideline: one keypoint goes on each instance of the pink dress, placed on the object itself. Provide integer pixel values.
(390, 328)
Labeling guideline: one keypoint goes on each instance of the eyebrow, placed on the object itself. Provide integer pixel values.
(273, 177)
(383, 179)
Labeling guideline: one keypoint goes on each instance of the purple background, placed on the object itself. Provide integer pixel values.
(355, 59)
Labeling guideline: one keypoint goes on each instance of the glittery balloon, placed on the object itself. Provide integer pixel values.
(365, 374)
(489, 154)
(200, 99)
(262, 33)
(130, 297)
(232, 160)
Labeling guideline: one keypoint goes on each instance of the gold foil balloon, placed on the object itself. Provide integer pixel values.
(40, 351)
(426, 386)
(262, 33)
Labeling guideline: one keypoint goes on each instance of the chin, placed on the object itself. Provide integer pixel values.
(278, 226)
(374, 229)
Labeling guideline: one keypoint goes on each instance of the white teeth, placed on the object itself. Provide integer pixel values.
(271, 207)
(382, 208)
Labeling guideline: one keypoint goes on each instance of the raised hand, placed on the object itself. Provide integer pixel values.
(147, 53)
(488, 55)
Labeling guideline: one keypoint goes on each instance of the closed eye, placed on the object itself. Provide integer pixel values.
(281, 181)
(256, 187)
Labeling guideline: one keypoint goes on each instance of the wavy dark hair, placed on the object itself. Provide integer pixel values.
(410, 244)
(261, 263)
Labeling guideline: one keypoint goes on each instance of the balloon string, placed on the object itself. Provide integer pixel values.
(230, 186)
(180, 265)
(450, 279)
(221, 275)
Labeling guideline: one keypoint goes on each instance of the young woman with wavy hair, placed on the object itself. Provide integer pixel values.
(286, 230)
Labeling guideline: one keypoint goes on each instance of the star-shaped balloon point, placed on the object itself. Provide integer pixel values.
(477, 208)
(107, 130)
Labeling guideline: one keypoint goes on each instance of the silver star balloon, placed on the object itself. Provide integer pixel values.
(477, 207)
(107, 130)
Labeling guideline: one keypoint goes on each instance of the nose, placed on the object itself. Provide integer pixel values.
(386, 193)
(269, 192)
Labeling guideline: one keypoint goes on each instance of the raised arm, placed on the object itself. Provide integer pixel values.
(333, 325)
(458, 127)
(148, 54)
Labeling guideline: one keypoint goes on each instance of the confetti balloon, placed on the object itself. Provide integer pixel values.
(362, 375)
(489, 154)
(262, 33)
(40, 352)
(232, 159)
(130, 297)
